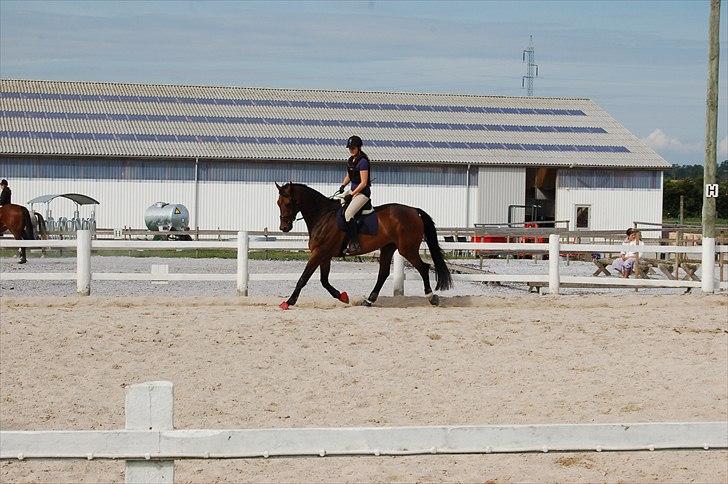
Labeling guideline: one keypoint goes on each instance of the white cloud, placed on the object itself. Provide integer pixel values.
(658, 140)
(723, 148)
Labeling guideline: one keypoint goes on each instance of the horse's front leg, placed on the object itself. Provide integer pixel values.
(313, 263)
(325, 268)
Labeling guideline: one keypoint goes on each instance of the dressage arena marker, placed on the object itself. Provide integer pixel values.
(83, 245)
(160, 270)
(150, 444)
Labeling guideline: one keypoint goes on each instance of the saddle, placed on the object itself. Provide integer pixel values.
(366, 219)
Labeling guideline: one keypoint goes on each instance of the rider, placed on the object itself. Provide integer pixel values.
(5, 193)
(357, 173)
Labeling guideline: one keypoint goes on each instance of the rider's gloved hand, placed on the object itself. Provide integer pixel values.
(341, 189)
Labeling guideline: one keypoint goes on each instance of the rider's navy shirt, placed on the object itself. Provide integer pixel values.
(355, 175)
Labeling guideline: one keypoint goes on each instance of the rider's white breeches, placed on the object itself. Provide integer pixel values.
(356, 204)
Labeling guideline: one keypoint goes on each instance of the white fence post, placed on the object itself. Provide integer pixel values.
(242, 276)
(150, 406)
(707, 280)
(554, 264)
(398, 274)
(83, 262)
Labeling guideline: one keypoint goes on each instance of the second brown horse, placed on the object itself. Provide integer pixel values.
(16, 219)
(400, 228)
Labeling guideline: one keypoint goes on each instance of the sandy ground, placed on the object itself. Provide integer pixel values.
(241, 363)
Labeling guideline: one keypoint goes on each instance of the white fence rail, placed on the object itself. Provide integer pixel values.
(149, 444)
(84, 276)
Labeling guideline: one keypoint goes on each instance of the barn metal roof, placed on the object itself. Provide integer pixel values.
(168, 121)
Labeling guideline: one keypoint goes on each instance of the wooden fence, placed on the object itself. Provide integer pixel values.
(150, 444)
(243, 244)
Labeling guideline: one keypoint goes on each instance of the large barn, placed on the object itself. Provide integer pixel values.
(217, 150)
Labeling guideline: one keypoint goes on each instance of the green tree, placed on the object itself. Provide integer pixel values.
(687, 180)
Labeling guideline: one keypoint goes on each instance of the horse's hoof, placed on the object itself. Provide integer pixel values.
(284, 305)
(22, 261)
(344, 297)
(435, 300)
(366, 303)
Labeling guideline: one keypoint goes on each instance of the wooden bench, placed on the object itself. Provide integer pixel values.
(602, 266)
(645, 267)
(642, 269)
(690, 269)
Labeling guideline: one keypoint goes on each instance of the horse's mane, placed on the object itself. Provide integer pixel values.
(317, 196)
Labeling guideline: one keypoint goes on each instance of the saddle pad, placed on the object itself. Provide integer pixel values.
(368, 224)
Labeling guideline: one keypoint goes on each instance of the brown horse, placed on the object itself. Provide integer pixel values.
(16, 219)
(400, 228)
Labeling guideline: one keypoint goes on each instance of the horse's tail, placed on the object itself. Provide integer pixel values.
(444, 281)
(28, 232)
(42, 230)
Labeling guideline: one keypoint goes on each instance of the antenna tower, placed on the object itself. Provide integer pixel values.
(531, 70)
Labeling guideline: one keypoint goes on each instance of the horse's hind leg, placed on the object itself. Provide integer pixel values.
(385, 261)
(413, 256)
(325, 268)
(19, 236)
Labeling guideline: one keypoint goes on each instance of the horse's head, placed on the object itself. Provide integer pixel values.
(287, 206)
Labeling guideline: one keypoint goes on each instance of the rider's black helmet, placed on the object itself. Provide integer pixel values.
(354, 142)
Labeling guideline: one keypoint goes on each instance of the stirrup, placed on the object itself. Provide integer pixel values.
(352, 248)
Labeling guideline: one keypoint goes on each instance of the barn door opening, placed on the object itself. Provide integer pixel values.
(541, 194)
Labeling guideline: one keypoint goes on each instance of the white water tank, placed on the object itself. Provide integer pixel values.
(165, 217)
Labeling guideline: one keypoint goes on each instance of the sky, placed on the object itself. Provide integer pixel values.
(644, 62)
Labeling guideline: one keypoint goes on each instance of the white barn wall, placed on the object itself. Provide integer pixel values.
(611, 208)
(232, 205)
(122, 202)
(224, 205)
(499, 187)
(251, 205)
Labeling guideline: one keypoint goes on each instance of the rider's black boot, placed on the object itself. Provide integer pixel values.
(353, 233)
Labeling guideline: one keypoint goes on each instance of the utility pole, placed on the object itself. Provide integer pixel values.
(710, 165)
(531, 69)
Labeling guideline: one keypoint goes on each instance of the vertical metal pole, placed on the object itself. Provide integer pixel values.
(467, 197)
(83, 262)
(197, 202)
(150, 406)
(710, 165)
(398, 274)
(242, 276)
(554, 264)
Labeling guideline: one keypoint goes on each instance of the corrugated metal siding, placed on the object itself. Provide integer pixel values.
(232, 195)
(249, 171)
(498, 188)
(610, 209)
(225, 205)
(122, 204)
(97, 169)
(117, 140)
